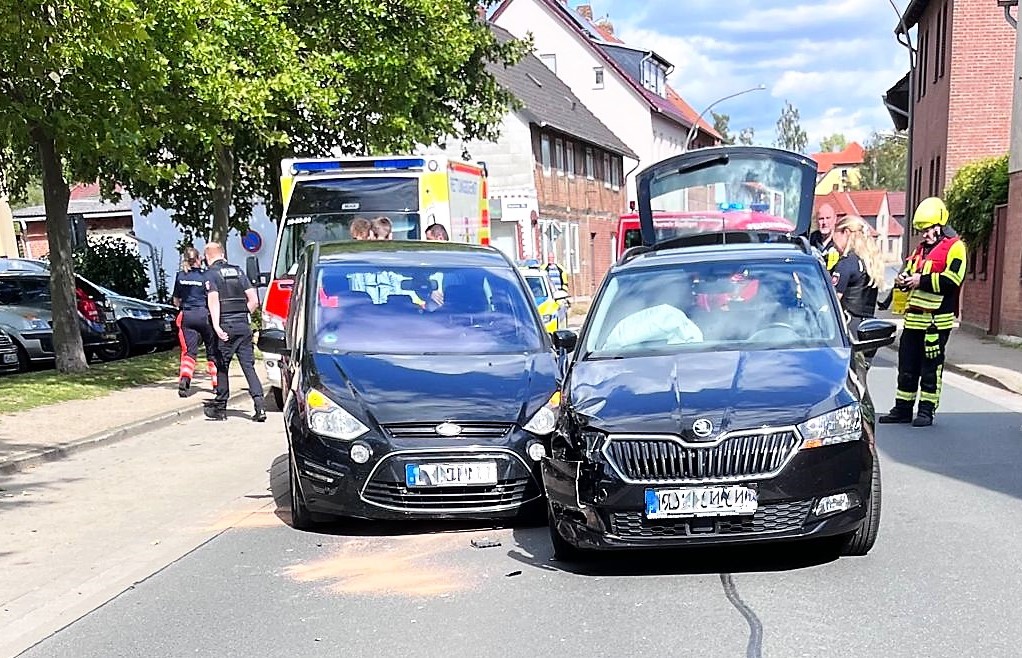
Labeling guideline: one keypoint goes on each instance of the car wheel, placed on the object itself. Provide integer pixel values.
(121, 350)
(563, 550)
(278, 397)
(861, 541)
(301, 519)
(24, 363)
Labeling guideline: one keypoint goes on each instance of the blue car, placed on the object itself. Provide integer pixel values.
(419, 383)
(714, 394)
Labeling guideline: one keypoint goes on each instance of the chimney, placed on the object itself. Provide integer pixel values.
(586, 11)
(606, 26)
(481, 12)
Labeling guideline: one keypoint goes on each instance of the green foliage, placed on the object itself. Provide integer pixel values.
(721, 123)
(790, 134)
(746, 136)
(972, 195)
(831, 143)
(112, 263)
(884, 165)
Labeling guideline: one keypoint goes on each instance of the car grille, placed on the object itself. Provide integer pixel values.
(654, 460)
(468, 430)
(771, 517)
(5, 341)
(504, 493)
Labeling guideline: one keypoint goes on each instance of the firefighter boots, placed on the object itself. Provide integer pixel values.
(898, 414)
(182, 387)
(215, 409)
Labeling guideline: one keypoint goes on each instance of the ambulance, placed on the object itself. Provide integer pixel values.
(322, 196)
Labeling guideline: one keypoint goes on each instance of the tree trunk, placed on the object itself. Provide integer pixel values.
(222, 194)
(274, 204)
(67, 335)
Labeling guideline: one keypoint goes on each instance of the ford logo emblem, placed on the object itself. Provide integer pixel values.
(702, 428)
(448, 429)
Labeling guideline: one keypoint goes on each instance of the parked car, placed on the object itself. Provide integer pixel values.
(400, 406)
(144, 325)
(552, 305)
(714, 394)
(26, 315)
(10, 360)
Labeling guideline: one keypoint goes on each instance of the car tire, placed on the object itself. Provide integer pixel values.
(563, 549)
(24, 363)
(121, 350)
(861, 541)
(301, 518)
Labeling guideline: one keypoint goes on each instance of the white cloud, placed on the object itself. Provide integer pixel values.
(795, 16)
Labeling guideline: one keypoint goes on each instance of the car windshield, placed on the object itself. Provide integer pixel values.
(706, 306)
(24, 291)
(422, 310)
(729, 193)
(321, 210)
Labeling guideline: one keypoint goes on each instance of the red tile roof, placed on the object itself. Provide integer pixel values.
(689, 112)
(896, 201)
(853, 154)
(864, 203)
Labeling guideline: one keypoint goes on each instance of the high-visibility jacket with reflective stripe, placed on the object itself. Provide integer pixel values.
(942, 269)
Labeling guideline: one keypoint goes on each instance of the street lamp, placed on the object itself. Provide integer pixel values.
(695, 124)
(911, 102)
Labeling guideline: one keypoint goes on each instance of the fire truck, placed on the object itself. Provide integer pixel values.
(322, 196)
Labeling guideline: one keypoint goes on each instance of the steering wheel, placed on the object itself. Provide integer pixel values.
(775, 325)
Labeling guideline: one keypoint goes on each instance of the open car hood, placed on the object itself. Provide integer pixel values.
(727, 194)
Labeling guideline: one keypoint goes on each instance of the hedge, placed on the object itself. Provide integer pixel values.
(976, 189)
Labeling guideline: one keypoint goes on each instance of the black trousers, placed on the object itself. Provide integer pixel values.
(921, 368)
(193, 326)
(239, 342)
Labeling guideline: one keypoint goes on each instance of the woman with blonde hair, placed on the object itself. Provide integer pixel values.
(859, 273)
(193, 322)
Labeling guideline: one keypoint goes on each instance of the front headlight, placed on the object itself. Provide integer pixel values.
(838, 426)
(327, 418)
(545, 420)
(35, 324)
(131, 312)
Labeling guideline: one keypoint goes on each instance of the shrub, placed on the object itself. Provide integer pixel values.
(112, 263)
(976, 189)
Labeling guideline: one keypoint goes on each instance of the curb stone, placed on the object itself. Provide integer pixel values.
(965, 372)
(22, 460)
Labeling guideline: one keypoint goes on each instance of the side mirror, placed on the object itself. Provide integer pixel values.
(252, 270)
(564, 339)
(273, 341)
(874, 334)
(561, 294)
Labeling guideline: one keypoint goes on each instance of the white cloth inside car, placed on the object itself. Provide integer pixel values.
(662, 322)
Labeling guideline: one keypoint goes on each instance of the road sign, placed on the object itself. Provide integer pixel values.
(252, 241)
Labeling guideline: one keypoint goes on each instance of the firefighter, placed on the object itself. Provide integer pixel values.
(930, 282)
(232, 299)
(193, 321)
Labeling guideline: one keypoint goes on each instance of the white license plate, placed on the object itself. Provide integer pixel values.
(10, 358)
(451, 474)
(167, 326)
(731, 500)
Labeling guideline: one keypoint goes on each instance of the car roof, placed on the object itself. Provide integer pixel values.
(715, 252)
(427, 253)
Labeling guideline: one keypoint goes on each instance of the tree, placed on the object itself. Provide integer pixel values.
(976, 189)
(790, 134)
(721, 125)
(353, 75)
(835, 142)
(76, 81)
(746, 136)
(883, 167)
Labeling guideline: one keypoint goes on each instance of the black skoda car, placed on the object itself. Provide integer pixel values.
(713, 394)
(419, 382)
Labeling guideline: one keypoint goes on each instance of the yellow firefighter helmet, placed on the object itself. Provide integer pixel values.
(931, 211)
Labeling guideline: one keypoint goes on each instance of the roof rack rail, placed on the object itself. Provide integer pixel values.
(632, 252)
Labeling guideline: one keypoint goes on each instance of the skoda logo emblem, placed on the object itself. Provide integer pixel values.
(702, 428)
(448, 429)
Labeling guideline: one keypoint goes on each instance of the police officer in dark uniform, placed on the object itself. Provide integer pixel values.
(231, 299)
(193, 322)
(858, 274)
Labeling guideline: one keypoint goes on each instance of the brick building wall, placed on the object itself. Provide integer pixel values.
(589, 199)
(1011, 284)
(37, 240)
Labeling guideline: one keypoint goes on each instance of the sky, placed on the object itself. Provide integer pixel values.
(832, 59)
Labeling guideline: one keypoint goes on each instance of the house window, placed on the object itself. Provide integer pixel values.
(615, 173)
(606, 170)
(550, 60)
(598, 77)
(544, 149)
(939, 186)
(943, 38)
(933, 177)
(590, 164)
(571, 159)
(559, 155)
(573, 261)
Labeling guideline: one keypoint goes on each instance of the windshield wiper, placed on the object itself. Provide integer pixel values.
(704, 163)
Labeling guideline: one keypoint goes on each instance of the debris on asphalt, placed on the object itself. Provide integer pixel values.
(514, 573)
(485, 543)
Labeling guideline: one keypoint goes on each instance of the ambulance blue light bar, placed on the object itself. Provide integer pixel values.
(341, 165)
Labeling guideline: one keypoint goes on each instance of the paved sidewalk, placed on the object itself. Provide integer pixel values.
(51, 432)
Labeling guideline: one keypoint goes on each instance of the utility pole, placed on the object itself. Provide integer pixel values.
(905, 39)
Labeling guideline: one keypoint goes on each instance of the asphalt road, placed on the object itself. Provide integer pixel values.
(943, 579)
